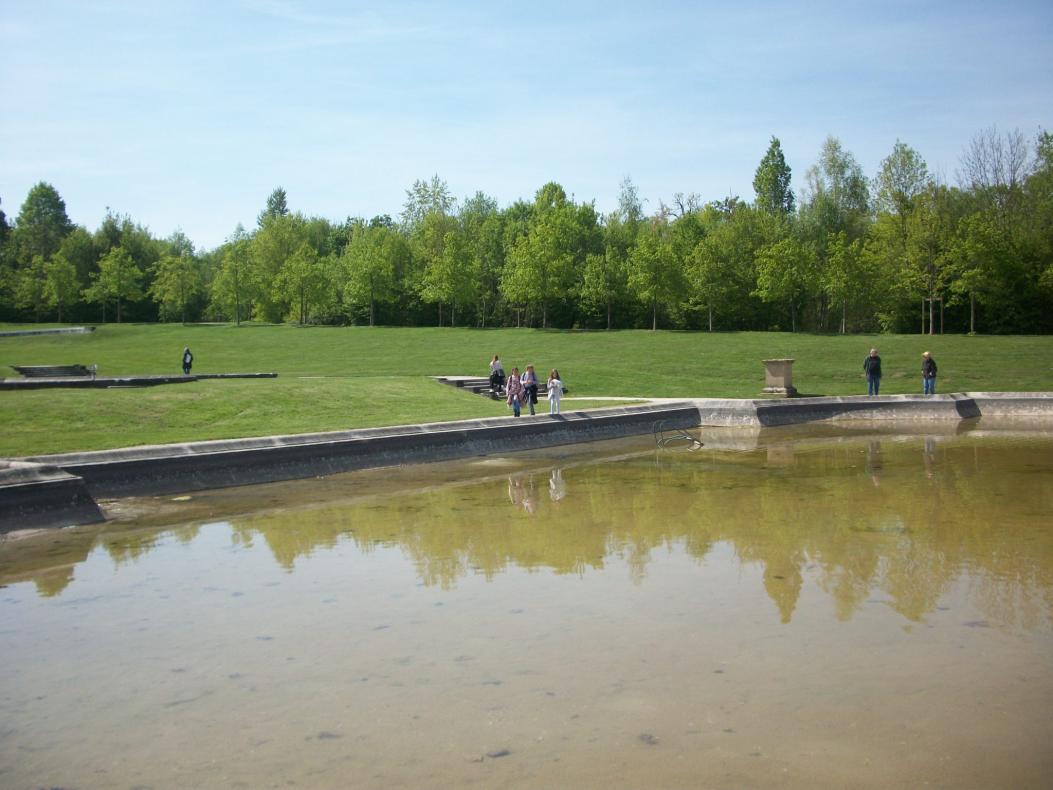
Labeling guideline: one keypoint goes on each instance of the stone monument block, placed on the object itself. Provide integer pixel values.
(778, 377)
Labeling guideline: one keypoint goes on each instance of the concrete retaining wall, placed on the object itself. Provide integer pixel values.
(66, 330)
(163, 469)
(172, 468)
(38, 495)
(793, 411)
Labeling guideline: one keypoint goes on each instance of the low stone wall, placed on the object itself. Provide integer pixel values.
(65, 330)
(38, 495)
(162, 469)
(103, 382)
(854, 407)
(52, 490)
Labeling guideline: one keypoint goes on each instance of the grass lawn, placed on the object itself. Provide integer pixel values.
(332, 378)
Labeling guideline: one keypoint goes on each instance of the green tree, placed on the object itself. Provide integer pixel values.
(302, 281)
(271, 247)
(845, 278)
(837, 201)
(720, 266)
(771, 182)
(42, 224)
(974, 258)
(903, 176)
(424, 198)
(61, 285)
(786, 273)
(656, 276)
(277, 206)
(30, 287)
(541, 264)
(119, 279)
(177, 280)
(232, 288)
(370, 264)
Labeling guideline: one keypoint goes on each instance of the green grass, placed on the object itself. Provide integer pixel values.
(372, 377)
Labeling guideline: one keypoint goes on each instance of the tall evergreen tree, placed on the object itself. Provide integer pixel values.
(277, 206)
(771, 182)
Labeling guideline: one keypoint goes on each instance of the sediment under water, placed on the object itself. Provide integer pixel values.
(789, 607)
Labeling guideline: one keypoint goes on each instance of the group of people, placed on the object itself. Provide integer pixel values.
(872, 369)
(522, 389)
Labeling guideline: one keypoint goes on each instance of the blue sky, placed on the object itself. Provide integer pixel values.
(187, 114)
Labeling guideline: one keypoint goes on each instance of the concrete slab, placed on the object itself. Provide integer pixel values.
(39, 495)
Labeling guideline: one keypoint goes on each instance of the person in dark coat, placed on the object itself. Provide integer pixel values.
(928, 374)
(188, 360)
(872, 367)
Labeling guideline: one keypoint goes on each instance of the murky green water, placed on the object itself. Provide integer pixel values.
(788, 608)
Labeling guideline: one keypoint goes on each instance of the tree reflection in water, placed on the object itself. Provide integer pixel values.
(899, 518)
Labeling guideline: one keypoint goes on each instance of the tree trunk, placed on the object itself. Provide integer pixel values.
(711, 318)
(793, 317)
(608, 315)
(654, 314)
(923, 315)
(118, 309)
(972, 313)
(440, 313)
(931, 327)
(844, 314)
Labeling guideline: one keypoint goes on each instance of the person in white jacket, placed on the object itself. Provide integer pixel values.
(555, 391)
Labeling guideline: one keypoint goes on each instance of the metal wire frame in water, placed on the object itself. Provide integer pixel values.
(673, 438)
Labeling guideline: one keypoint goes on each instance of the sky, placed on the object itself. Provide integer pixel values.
(185, 115)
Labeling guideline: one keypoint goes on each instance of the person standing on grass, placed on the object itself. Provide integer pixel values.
(514, 388)
(555, 391)
(928, 374)
(529, 381)
(872, 367)
(497, 375)
(188, 360)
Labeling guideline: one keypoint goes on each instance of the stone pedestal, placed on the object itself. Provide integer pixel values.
(778, 377)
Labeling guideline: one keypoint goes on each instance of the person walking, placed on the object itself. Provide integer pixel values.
(514, 388)
(188, 360)
(555, 391)
(529, 381)
(872, 368)
(928, 373)
(497, 375)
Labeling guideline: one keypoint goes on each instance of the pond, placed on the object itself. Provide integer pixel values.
(789, 607)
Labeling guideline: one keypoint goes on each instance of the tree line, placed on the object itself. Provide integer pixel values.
(899, 252)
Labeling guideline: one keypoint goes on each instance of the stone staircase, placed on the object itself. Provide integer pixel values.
(481, 386)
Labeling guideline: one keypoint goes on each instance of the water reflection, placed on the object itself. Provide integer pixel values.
(894, 520)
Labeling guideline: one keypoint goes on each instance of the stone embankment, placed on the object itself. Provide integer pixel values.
(25, 483)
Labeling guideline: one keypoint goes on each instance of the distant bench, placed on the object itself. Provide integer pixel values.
(54, 371)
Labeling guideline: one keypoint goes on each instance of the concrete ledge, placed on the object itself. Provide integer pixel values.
(54, 489)
(1013, 404)
(121, 381)
(36, 495)
(66, 330)
(858, 407)
(172, 468)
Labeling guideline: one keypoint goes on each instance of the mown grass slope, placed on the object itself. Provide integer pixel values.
(332, 378)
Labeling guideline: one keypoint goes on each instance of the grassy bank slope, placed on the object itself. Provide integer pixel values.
(332, 378)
